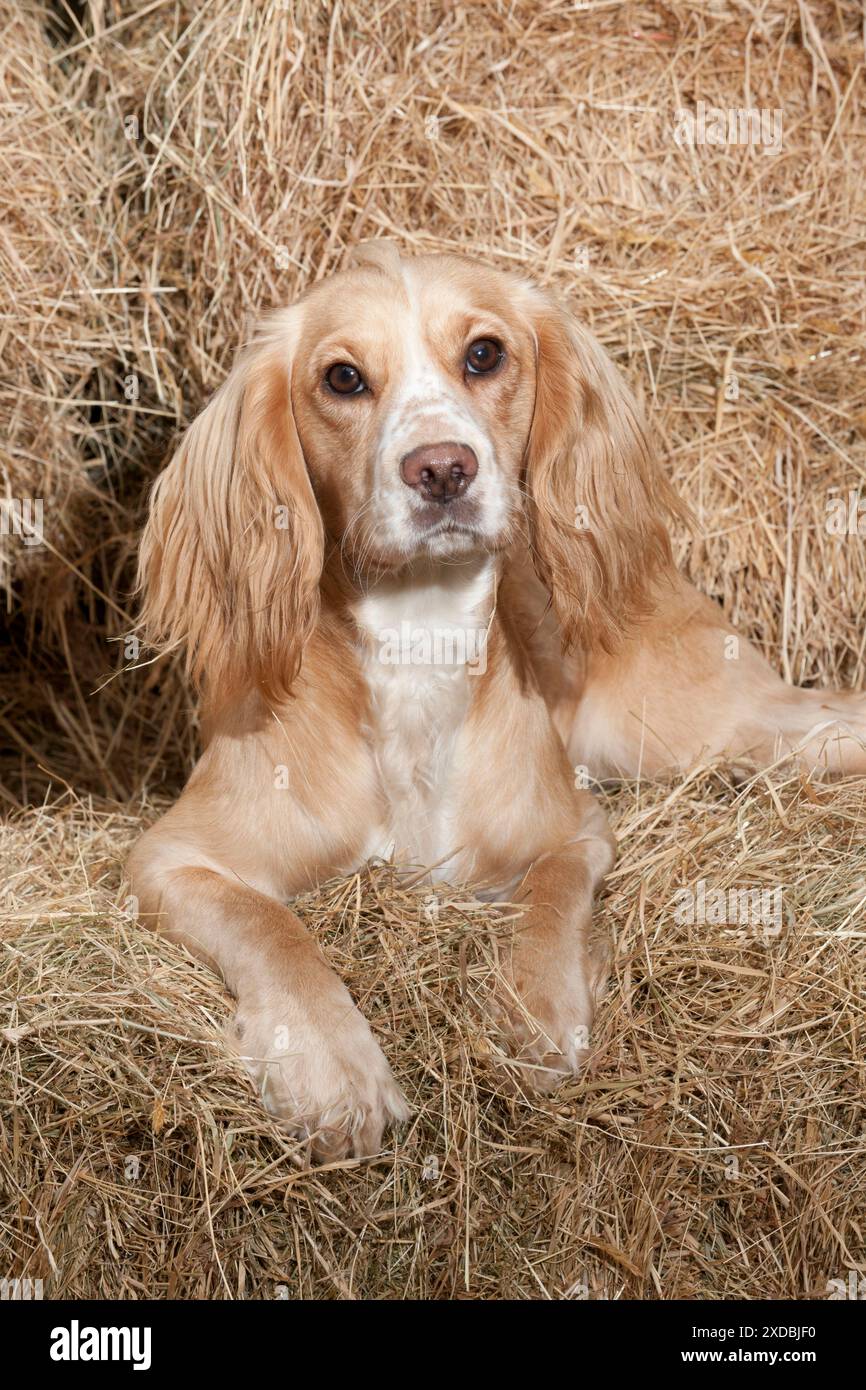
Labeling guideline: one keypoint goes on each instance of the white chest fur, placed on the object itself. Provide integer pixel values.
(423, 642)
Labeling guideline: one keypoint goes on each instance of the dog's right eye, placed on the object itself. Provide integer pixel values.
(345, 379)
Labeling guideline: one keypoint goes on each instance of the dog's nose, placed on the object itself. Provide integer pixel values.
(439, 472)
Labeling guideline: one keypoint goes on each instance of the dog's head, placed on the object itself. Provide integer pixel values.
(403, 408)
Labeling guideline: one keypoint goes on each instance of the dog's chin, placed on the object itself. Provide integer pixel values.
(458, 529)
(448, 538)
(447, 543)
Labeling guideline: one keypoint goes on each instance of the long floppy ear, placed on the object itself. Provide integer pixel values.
(231, 556)
(596, 499)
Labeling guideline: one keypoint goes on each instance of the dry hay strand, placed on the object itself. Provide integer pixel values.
(713, 1149)
(220, 157)
(63, 336)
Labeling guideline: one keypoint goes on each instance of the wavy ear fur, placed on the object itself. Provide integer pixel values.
(597, 501)
(231, 556)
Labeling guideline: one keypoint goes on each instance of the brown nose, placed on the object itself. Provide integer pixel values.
(439, 472)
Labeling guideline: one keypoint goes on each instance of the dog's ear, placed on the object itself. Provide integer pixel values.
(597, 502)
(232, 552)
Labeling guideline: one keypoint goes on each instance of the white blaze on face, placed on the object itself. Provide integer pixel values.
(429, 407)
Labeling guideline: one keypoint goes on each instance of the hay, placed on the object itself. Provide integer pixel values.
(715, 1148)
(207, 161)
(165, 176)
(63, 333)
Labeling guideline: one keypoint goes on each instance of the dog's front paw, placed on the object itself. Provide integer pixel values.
(545, 1007)
(319, 1069)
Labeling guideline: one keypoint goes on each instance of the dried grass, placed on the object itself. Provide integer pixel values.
(715, 1148)
(170, 174)
(271, 138)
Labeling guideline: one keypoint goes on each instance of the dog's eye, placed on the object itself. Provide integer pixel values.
(345, 379)
(484, 355)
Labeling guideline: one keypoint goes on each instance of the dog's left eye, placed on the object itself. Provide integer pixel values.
(345, 379)
(484, 355)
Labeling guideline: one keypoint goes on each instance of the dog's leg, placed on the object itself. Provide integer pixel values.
(553, 975)
(524, 815)
(686, 687)
(308, 1047)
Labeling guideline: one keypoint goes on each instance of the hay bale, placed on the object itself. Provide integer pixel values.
(61, 326)
(211, 161)
(274, 138)
(208, 162)
(715, 1148)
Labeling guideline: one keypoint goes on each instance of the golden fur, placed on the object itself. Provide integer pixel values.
(283, 545)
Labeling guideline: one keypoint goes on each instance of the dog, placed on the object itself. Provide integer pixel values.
(416, 550)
